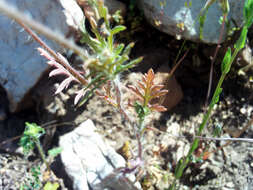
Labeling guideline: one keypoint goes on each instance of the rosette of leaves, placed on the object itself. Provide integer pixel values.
(105, 60)
(108, 58)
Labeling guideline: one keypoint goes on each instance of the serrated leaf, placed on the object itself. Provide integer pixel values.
(33, 130)
(226, 63)
(190, 4)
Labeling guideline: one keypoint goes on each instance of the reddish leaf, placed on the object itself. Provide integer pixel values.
(158, 94)
(136, 91)
(157, 107)
(156, 87)
(64, 84)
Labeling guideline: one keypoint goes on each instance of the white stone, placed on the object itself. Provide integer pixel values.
(87, 158)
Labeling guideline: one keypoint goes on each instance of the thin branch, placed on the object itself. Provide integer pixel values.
(58, 59)
(213, 59)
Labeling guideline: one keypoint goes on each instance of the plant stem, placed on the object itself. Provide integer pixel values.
(41, 152)
(214, 58)
(183, 162)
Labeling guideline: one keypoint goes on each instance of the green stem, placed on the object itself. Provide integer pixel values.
(183, 162)
(41, 152)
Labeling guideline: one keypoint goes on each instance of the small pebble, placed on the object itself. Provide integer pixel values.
(230, 184)
(243, 110)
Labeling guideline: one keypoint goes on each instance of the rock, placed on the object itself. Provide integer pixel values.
(21, 66)
(245, 56)
(114, 5)
(88, 161)
(174, 18)
(175, 94)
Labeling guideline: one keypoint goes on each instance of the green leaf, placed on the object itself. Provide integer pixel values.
(27, 144)
(55, 151)
(117, 29)
(248, 12)
(51, 186)
(89, 93)
(202, 19)
(32, 129)
(224, 6)
(127, 50)
(217, 96)
(130, 64)
(93, 43)
(226, 63)
(86, 97)
(140, 110)
(240, 43)
(119, 49)
(31, 134)
(186, 4)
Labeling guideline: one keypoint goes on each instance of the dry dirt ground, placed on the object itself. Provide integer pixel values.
(228, 168)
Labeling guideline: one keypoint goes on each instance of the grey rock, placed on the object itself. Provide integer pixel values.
(21, 65)
(114, 5)
(89, 160)
(166, 15)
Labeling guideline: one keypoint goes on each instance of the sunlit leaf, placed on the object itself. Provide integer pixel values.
(51, 186)
(117, 29)
(55, 151)
(240, 43)
(226, 63)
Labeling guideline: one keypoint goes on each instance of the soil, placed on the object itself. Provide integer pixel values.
(228, 168)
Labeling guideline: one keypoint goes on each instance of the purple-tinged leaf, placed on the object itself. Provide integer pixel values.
(64, 84)
(58, 72)
(79, 95)
(141, 85)
(45, 54)
(156, 88)
(157, 107)
(136, 91)
(159, 93)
